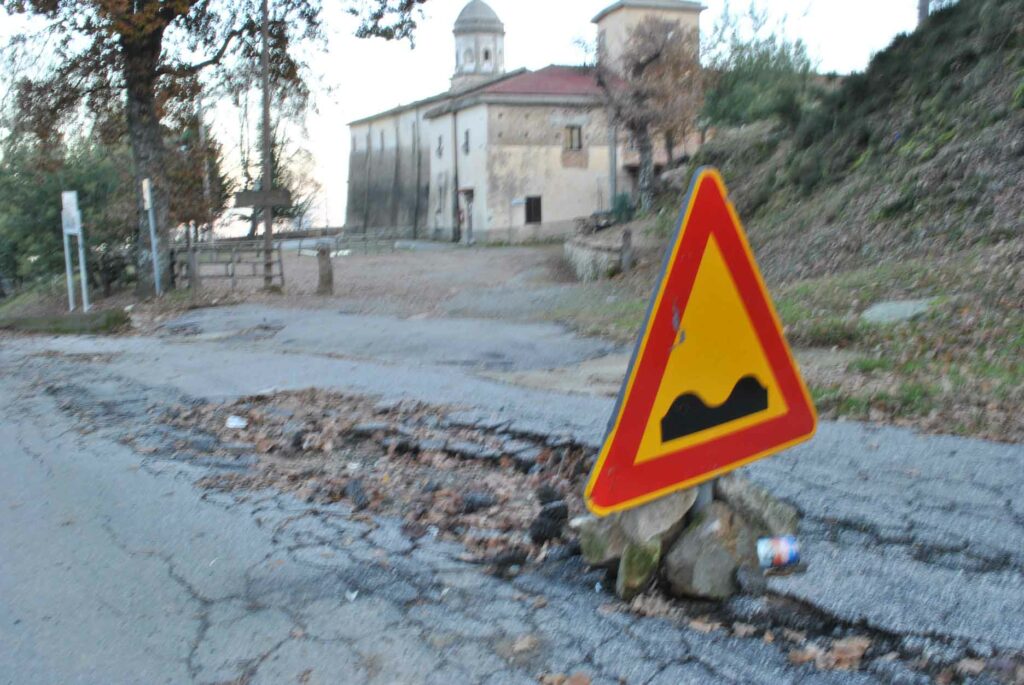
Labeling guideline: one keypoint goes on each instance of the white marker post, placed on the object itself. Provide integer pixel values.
(147, 201)
(71, 221)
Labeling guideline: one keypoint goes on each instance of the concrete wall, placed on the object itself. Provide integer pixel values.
(389, 175)
(471, 170)
(527, 157)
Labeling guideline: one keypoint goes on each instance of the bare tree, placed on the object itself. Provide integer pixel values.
(141, 59)
(653, 88)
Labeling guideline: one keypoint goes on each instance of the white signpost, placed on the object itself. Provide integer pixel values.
(147, 202)
(71, 220)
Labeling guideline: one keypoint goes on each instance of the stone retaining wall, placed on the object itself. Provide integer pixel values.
(594, 258)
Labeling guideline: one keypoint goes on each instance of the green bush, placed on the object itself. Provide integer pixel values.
(622, 208)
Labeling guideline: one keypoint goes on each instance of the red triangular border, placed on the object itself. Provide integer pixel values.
(616, 482)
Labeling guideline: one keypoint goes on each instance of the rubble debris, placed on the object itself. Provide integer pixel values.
(411, 461)
(370, 429)
(236, 422)
(473, 502)
(356, 493)
(546, 494)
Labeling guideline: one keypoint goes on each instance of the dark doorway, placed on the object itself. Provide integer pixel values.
(533, 215)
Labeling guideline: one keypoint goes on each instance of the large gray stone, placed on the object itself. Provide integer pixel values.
(703, 561)
(766, 514)
(897, 311)
(601, 539)
(637, 567)
(662, 518)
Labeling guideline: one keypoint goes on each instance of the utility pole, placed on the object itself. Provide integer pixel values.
(207, 201)
(267, 181)
(267, 197)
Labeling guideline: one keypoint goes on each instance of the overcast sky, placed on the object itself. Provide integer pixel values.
(360, 77)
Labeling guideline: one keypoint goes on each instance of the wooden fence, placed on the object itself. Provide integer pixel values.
(347, 243)
(230, 261)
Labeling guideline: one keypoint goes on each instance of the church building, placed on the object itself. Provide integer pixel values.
(502, 156)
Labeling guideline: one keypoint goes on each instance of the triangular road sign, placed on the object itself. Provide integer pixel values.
(712, 384)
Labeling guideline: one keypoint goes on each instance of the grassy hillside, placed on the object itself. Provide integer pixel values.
(922, 154)
(906, 181)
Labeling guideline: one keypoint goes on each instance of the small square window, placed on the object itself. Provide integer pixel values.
(533, 213)
(574, 138)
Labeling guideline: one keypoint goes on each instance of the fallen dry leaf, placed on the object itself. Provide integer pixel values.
(553, 679)
(702, 626)
(846, 654)
(769, 637)
(970, 667)
(562, 679)
(525, 643)
(743, 629)
(806, 654)
(794, 635)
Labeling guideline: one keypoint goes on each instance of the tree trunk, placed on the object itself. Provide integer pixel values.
(141, 58)
(645, 180)
(922, 10)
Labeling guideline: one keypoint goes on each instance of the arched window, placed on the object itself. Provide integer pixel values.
(487, 55)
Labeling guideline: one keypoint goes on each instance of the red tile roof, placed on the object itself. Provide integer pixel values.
(552, 80)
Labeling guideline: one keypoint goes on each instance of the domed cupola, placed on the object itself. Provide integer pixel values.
(479, 45)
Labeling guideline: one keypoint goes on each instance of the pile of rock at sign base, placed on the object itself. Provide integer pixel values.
(706, 554)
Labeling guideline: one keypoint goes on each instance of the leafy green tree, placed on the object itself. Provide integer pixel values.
(34, 172)
(754, 73)
(32, 176)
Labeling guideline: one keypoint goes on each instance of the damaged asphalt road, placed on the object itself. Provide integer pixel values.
(116, 568)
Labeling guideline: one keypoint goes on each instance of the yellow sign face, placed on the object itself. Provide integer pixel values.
(712, 385)
(715, 348)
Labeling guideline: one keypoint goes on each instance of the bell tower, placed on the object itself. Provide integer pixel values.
(479, 46)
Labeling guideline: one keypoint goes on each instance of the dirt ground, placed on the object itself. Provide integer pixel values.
(854, 371)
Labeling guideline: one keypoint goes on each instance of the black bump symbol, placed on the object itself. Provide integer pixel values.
(689, 415)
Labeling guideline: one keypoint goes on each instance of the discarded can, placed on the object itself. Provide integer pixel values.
(778, 552)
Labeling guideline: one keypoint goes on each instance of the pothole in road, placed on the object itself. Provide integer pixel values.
(454, 474)
(473, 478)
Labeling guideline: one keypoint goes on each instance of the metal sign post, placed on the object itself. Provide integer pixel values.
(147, 201)
(71, 223)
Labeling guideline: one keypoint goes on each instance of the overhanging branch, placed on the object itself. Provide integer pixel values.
(192, 69)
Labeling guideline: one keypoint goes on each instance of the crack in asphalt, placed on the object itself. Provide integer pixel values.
(359, 568)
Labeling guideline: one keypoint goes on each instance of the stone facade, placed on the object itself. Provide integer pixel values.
(501, 157)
